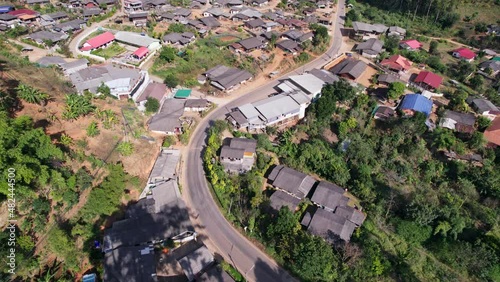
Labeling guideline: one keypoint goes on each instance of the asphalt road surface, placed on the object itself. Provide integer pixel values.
(254, 264)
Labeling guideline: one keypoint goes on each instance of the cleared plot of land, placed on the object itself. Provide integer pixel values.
(199, 57)
(366, 77)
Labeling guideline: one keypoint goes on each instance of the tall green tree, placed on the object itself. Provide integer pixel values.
(152, 105)
(396, 90)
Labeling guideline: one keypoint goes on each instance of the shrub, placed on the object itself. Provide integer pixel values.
(152, 105)
(125, 148)
(93, 129)
(169, 141)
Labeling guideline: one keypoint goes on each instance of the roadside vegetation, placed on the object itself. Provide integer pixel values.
(429, 218)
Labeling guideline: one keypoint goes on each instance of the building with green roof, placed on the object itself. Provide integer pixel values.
(182, 93)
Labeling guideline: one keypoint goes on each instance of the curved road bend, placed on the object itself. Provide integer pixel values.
(254, 264)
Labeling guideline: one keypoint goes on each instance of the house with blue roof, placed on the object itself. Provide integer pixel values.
(413, 103)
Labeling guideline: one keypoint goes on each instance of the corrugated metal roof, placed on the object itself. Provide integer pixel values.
(417, 102)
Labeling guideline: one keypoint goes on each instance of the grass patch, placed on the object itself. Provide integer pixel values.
(232, 271)
(479, 11)
(135, 121)
(109, 52)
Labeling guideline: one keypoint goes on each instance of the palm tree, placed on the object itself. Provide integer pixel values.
(32, 95)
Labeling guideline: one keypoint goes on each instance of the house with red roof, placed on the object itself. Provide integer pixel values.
(492, 133)
(141, 53)
(397, 63)
(428, 80)
(20, 12)
(410, 45)
(463, 53)
(100, 41)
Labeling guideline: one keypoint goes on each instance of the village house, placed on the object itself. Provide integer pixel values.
(491, 67)
(137, 40)
(90, 12)
(6, 7)
(329, 196)
(492, 133)
(255, 24)
(387, 79)
(130, 263)
(154, 90)
(459, 122)
(278, 110)
(260, 3)
(464, 53)
(485, 108)
(45, 36)
(325, 75)
(397, 63)
(349, 69)
(167, 120)
(9, 20)
(132, 5)
(179, 39)
(240, 17)
(124, 83)
(140, 54)
(428, 80)
(383, 113)
(293, 182)
(226, 78)
(148, 220)
(289, 46)
(165, 167)
(397, 31)
(328, 225)
(128, 255)
(139, 18)
(361, 28)
(249, 44)
(413, 103)
(307, 83)
(196, 105)
(71, 25)
(331, 226)
(370, 48)
(105, 2)
(195, 261)
(49, 61)
(210, 22)
(100, 41)
(281, 199)
(217, 13)
(239, 155)
(74, 66)
(39, 2)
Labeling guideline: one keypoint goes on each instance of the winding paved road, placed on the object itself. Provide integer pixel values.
(254, 264)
